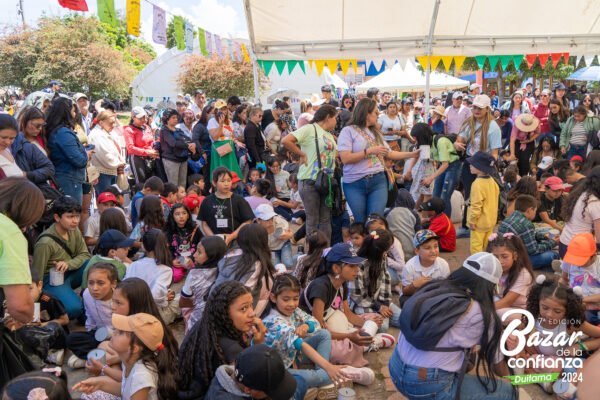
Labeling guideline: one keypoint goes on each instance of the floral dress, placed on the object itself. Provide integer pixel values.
(422, 169)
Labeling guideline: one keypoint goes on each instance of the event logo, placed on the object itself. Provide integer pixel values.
(567, 360)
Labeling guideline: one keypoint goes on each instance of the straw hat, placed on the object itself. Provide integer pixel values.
(527, 123)
(316, 100)
(440, 110)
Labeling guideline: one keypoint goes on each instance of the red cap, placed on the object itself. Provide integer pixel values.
(106, 197)
(192, 201)
(576, 158)
(555, 183)
(234, 177)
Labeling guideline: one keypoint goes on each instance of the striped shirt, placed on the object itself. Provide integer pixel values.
(578, 135)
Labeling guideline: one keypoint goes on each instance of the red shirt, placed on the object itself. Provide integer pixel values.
(443, 227)
(542, 112)
(139, 142)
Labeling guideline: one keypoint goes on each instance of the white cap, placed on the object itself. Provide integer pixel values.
(484, 265)
(546, 162)
(482, 101)
(138, 112)
(457, 95)
(265, 212)
(474, 86)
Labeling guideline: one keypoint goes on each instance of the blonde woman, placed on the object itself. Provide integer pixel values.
(107, 156)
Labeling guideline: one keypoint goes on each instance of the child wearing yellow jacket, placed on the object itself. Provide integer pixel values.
(483, 204)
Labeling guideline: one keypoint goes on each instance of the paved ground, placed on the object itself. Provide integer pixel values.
(382, 388)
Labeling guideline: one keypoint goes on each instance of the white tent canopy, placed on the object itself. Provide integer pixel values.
(387, 29)
(412, 80)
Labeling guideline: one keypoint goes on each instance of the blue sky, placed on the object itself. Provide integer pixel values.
(224, 17)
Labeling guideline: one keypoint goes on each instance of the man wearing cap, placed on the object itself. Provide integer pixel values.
(104, 201)
(456, 114)
(475, 89)
(549, 211)
(53, 87)
(83, 104)
(327, 96)
(258, 373)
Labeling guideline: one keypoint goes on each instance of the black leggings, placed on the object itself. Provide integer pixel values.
(81, 343)
(524, 157)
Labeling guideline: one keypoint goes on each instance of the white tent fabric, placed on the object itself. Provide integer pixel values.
(388, 29)
(412, 80)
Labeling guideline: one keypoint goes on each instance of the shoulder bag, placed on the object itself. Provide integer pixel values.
(322, 180)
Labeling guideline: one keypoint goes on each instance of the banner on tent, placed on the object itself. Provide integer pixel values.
(133, 17)
(159, 25)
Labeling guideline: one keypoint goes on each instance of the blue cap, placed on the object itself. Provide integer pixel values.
(114, 239)
(345, 253)
(55, 83)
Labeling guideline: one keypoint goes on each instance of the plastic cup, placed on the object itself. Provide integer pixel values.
(369, 328)
(103, 333)
(97, 354)
(56, 278)
(564, 389)
(346, 394)
(36, 312)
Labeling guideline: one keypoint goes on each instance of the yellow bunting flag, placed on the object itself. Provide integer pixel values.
(332, 64)
(310, 64)
(434, 60)
(344, 65)
(133, 17)
(245, 52)
(447, 61)
(423, 60)
(319, 64)
(458, 62)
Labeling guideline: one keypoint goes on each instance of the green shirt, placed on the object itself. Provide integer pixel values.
(327, 147)
(121, 268)
(444, 151)
(46, 251)
(14, 260)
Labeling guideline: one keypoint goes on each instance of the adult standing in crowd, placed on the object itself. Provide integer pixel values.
(560, 91)
(8, 134)
(408, 120)
(479, 133)
(576, 133)
(303, 142)
(224, 141)
(107, 157)
(199, 102)
(362, 151)
(68, 155)
(139, 140)
(201, 137)
(328, 97)
(30, 155)
(83, 105)
(187, 124)
(456, 114)
(390, 125)
(542, 112)
(175, 149)
(254, 137)
(557, 118)
(522, 141)
(279, 108)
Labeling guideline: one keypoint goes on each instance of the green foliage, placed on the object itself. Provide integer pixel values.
(171, 33)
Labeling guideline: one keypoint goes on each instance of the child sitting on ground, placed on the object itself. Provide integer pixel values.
(357, 233)
(193, 202)
(259, 193)
(307, 267)
(438, 222)
(519, 223)
(279, 235)
(183, 235)
(168, 197)
(153, 186)
(112, 248)
(551, 203)
(198, 181)
(425, 266)
(92, 225)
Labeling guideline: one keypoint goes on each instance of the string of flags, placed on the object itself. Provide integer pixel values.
(209, 43)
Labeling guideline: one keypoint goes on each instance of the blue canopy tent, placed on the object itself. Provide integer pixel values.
(586, 74)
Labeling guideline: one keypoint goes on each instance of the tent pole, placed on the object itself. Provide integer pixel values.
(436, 8)
(255, 76)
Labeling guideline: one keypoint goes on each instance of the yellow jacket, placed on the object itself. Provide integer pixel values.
(483, 204)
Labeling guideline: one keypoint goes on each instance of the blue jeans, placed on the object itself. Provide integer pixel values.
(543, 260)
(445, 184)
(576, 151)
(301, 388)
(104, 181)
(70, 187)
(320, 340)
(284, 255)
(441, 385)
(367, 195)
(70, 299)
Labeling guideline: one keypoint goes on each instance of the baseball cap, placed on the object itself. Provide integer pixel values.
(260, 367)
(78, 96)
(234, 177)
(345, 253)
(106, 197)
(139, 112)
(54, 82)
(576, 157)
(418, 104)
(265, 212)
(457, 95)
(191, 201)
(145, 326)
(220, 104)
(484, 265)
(474, 86)
(325, 88)
(434, 204)
(546, 162)
(482, 101)
(555, 183)
(580, 249)
(114, 239)
(422, 236)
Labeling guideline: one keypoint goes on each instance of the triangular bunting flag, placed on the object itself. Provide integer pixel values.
(280, 66)
(332, 64)
(310, 64)
(447, 61)
(458, 62)
(423, 60)
(267, 65)
(504, 61)
(344, 65)
(291, 64)
(543, 59)
(530, 58)
(480, 61)
(555, 57)
(434, 60)
(589, 59)
(77, 5)
(302, 67)
(493, 60)
(319, 65)
(517, 59)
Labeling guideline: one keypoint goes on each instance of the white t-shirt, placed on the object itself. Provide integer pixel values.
(578, 223)
(413, 270)
(387, 124)
(92, 226)
(588, 278)
(521, 287)
(139, 378)
(213, 124)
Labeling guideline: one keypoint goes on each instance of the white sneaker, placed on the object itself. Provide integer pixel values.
(381, 341)
(56, 357)
(75, 362)
(362, 376)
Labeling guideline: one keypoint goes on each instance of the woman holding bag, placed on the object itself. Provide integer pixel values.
(107, 158)
(224, 142)
(362, 150)
(313, 160)
(175, 148)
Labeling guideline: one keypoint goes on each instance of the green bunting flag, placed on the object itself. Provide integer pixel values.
(106, 12)
(301, 65)
(517, 59)
(280, 65)
(493, 62)
(505, 60)
(179, 38)
(266, 65)
(202, 40)
(480, 61)
(291, 64)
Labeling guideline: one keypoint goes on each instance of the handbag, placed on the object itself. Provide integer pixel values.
(322, 180)
(122, 182)
(92, 173)
(224, 149)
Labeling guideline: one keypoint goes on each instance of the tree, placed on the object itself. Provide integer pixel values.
(218, 77)
(171, 42)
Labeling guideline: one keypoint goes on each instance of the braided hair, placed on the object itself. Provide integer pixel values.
(202, 344)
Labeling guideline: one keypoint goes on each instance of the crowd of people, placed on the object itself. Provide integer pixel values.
(290, 244)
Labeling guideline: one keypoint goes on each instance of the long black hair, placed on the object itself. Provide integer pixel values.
(422, 133)
(171, 226)
(215, 249)
(521, 262)
(308, 266)
(253, 240)
(59, 115)
(590, 186)
(374, 248)
(201, 345)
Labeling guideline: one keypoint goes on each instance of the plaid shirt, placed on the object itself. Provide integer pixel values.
(518, 224)
(360, 301)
